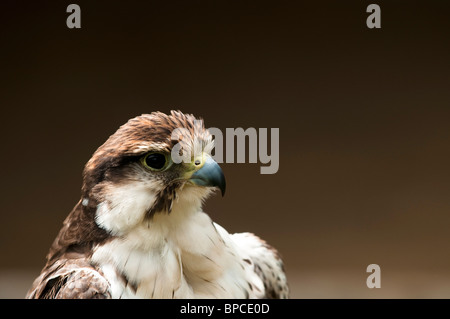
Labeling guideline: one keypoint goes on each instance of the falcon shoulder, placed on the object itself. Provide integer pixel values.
(267, 264)
(68, 272)
(70, 279)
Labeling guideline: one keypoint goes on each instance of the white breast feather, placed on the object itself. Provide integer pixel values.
(178, 255)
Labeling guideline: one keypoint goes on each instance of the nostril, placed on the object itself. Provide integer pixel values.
(197, 162)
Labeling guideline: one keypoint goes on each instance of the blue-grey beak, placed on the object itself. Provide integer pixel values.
(210, 174)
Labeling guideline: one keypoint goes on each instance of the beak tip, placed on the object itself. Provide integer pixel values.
(210, 175)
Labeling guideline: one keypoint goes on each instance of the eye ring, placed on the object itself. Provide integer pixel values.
(156, 161)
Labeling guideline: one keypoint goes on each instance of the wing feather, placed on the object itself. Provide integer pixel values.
(267, 264)
(70, 279)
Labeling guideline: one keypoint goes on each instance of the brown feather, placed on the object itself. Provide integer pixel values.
(78, 234)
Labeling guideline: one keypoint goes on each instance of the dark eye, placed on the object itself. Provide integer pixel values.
(155, 161)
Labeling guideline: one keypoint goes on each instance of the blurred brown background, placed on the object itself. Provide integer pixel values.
(363, 115)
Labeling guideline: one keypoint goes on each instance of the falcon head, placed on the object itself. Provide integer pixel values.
(133, 175)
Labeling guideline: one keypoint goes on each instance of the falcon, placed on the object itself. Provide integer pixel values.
(139, 231)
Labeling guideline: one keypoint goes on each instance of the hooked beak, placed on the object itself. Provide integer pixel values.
(210, 174)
